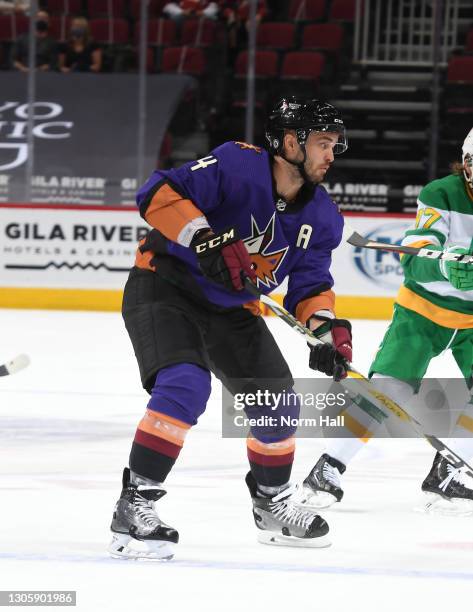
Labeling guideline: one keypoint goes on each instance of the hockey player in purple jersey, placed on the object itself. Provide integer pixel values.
(242, 211)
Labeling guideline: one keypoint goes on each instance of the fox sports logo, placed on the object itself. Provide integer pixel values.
(383, 267)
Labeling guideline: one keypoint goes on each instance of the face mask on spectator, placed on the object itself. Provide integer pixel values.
(42, 26)
(78, 32)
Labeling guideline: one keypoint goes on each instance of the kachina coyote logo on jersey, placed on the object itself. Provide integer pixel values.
(266, 262)
(383, 267)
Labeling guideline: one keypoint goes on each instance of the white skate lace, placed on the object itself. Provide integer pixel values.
(457, 475)
(331, 474)
(145, 512)
(285, 510)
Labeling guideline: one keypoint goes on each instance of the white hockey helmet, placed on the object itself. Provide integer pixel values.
(467, 156)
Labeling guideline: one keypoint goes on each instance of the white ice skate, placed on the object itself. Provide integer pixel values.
(281, 523)
(322, 487)
(137, 530)
(447, 490)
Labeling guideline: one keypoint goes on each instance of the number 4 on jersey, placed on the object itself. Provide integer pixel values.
(204, 162)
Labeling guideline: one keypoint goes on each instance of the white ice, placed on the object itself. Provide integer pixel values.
(66, 424)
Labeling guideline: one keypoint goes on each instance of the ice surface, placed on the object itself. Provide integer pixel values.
(66, 424)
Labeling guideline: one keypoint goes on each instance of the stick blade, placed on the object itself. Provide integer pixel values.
(14, 365)
(357, 240)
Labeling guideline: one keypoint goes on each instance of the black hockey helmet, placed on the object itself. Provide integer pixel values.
(303, 115)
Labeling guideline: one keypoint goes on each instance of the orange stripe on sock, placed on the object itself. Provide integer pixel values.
(466, 422)
(169, 212)
(164, 426)
(283, 447)
(356, 428)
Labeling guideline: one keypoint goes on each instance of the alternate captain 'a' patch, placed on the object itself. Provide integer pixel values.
(266, 263)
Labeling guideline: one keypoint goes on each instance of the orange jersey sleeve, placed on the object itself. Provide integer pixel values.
(170, 213)
(306, 308)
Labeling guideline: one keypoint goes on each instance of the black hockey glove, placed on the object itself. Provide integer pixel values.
(331, 358)
(223, 258)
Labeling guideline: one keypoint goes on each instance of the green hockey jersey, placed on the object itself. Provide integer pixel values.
(444, 218)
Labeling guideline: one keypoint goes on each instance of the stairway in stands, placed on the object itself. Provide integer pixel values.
(386, 103)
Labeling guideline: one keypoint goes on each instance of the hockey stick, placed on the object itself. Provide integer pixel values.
(14, 365)
(357, 240)
(364, 386)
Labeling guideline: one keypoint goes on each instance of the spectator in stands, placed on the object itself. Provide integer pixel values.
(236, 15)
(46, 50)
(14, 6)
(191, 8)
(80, 53)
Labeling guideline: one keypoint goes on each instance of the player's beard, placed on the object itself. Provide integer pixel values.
(314, 176)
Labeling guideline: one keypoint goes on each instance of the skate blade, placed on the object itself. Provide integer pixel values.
(277, 539)
(123, 546)
(437, 505)
(315, 501)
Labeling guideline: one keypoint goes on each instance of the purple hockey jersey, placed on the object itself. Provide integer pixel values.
(234, 186)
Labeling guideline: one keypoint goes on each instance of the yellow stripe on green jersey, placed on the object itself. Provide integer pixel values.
(445, 219)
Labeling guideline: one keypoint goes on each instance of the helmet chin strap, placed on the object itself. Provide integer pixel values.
(300, 165)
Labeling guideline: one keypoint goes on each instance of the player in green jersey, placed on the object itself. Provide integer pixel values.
(433, 313)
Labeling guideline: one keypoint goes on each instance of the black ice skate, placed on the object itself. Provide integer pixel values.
(322, 486)
(448, 489)
(281, 523)
(138, 532)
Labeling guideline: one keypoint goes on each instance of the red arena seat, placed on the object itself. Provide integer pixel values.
(59, 26)
(276, 35)
(266, 64)
(161, 32)
(460, 69)
(302, 65)
(155, 8)
(343, 10)
(469, 42)
(11, 26)
(110, 31)
(325, 36)
(307, 10)
(64, 7)
(183, 60)
(106, 8)
(198, 32)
